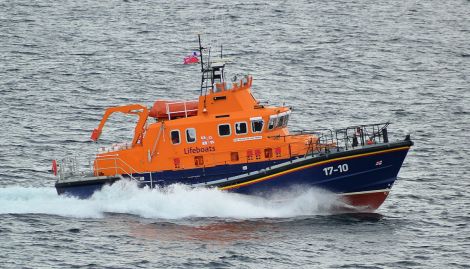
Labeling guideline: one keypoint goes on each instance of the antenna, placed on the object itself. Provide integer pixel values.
(200, 52)
(212, 71)
(202, 62)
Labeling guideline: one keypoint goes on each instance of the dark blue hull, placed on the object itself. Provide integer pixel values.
(356, 172)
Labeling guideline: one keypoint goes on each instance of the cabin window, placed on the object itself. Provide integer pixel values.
(281, 119)
(190, 135)
(280, 122)
(241, 128)
(257, 124)
(272, 122)
(224, 129)
(175, 137)
(286, 120)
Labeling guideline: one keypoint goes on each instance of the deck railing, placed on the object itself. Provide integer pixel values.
(73, 166)
(348, 138)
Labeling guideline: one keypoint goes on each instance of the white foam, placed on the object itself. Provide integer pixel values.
(173, 202)
(22, 200)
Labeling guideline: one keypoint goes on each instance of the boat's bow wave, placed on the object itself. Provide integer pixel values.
(173, 202)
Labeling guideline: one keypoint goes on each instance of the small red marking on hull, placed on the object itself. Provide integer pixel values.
(366, 201)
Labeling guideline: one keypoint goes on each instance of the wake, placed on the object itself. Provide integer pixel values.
(173, 202)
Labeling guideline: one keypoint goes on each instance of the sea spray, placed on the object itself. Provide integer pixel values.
(172, 202)
(30, 200)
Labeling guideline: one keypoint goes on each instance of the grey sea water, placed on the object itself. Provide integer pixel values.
(338, 63)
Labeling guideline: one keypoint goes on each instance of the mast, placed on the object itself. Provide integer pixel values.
(202, 61)
(211, 71)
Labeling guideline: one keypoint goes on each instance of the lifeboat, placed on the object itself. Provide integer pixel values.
(229, 140)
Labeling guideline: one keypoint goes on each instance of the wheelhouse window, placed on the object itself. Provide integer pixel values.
(241, 128)
(272, 122)
(175, 137)
(257, 124)
(286, 119)
(283, 119)
(280, 120)
(224, 129)
(190, 135)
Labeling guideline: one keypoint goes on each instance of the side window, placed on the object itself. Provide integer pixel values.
(286, 120)
(224, 129)
(241, 128)
(257, 124)
(272, 122)
(190, 135)
(280, 121)
(175, 137)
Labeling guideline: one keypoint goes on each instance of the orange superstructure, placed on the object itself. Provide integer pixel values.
(229, 126)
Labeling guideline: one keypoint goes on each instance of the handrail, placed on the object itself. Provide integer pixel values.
(69, 167)
(116, 167)
(168, 112)
(349, 137)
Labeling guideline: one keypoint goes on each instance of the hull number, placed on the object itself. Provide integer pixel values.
(330, 170)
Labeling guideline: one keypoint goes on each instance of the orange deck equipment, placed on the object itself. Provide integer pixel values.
(163, 109)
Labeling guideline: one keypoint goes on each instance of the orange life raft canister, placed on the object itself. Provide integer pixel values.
(163, 109)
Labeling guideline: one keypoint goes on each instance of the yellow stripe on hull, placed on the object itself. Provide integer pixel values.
(308, 166)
